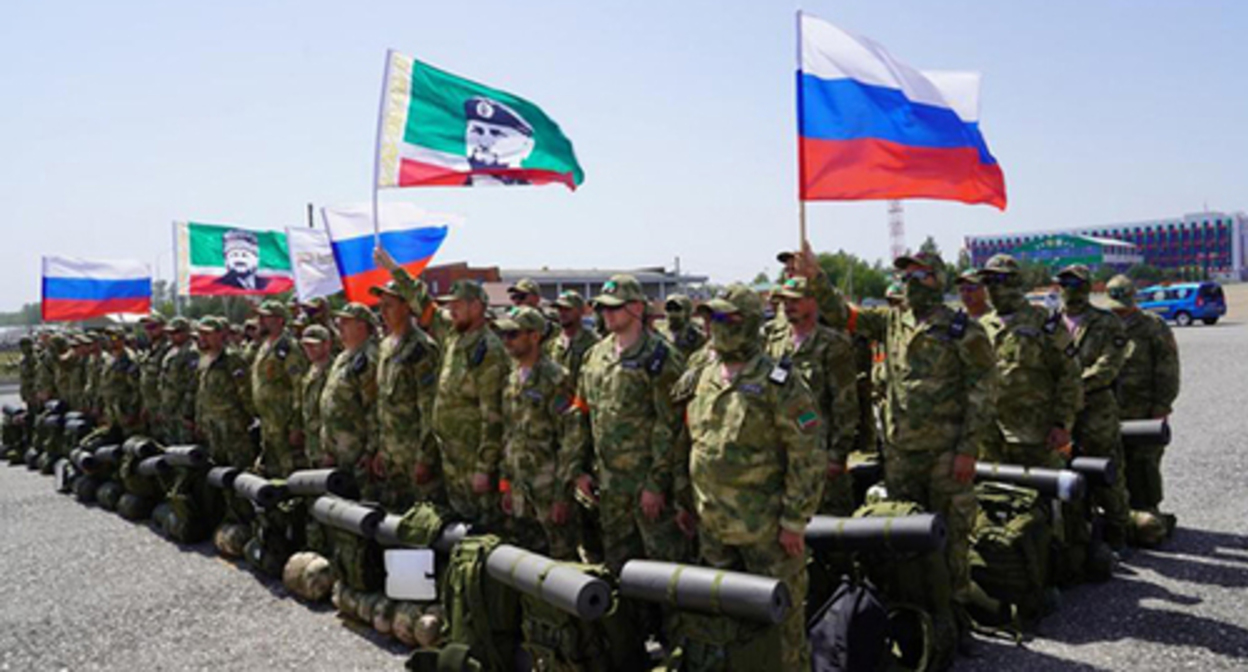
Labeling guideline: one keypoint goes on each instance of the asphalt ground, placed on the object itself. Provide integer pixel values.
(85, 590)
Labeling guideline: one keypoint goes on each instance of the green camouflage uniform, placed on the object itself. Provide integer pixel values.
(223, 408)
(45, 372)
(570, 353)
(276, 369)
(119, 391)
(939, 403)
(310, 406)
(1148, 384)
(150, 363)
(178, 373)
(349, 409)
(680, 329)
(407, 380)
(28, 367)
(635, 426)
(74, 382)
(95, 373)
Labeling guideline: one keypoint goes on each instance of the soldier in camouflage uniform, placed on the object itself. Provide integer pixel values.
(1102, 344)
(150, 361)
(76, 370)
(223, 409)
(824, 358)
(1039, 389)
(178, 380)
(972, 293)
(407, 380)
(317, 347)
(569, 347)
(757, 460)
(119, 385)
(1148, 384)
(45, 372)
(95, 373)
(349, 399)
(28, 368)
(625, 393)
(940, 394)
(277, 365)
(526, 292)
(542, 443)
(63, 368)
(679, 327)
(317, 311)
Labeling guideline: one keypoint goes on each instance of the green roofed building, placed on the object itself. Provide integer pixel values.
(1064, 249)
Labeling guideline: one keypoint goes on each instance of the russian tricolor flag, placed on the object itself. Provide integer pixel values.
(871, 127)
(411, 235)
(79, 289)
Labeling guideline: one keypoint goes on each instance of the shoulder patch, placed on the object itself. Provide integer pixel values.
(359, 364)
(282, 349)
(478, 354)
(655, 364)
(957, 328)
(808, 420)
(752, 389)
(780, 372)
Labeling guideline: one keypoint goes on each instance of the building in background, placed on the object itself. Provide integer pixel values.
(1065, 248)
(1203, 244)
(656, 281)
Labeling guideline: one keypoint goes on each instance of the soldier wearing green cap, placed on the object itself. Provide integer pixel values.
(526, 292)
(543, 442)
(407, 378)
(178, 380)
(119, 385)
(95, 373)
(940, 387)
(45, 372)
(75, 364)
(349, 399)
(972, 293)
(276, 367)
(824, 358)
(624, 392)
(1148, 384)
(28, 368)
(151, 357)
(317, 311)
(757, 459)
(223, 408)
(568, 348)
(1102, 345)
(679, 326)
(317, 344)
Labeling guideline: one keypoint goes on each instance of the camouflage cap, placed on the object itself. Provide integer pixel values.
(1002, 264)
(570, 299)
(1078, 271)
(968, 277)
(391, 288)
(619, 290)
(523, 318)
(525, 286)
(251, 323)
(25, 341)
(357, 311)
(316, 303)
(152, 318)
(737, 298)
(213, 323)
(178, 324)
(795, 288)
(678, 303)
(274, 308)
(1121, 290)
(926, 259)
(316, 334)
(465, 290)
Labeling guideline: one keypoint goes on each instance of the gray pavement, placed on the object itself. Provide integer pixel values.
(86, 590)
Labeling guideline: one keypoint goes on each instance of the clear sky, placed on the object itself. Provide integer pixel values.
(120, 117)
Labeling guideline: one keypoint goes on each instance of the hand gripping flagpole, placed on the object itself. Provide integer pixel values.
(381, 120)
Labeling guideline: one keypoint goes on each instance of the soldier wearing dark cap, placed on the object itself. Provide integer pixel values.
(568, 348)
(972, 293)
(178, 380)
(496, 138)
(276, 369)
(349, 399)
(680, 327)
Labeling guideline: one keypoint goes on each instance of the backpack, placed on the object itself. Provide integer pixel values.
(277, 533)
(850, 632)
(196, 508)
(1010, 553)
(357, 562)
(706, 643)
(484, 615)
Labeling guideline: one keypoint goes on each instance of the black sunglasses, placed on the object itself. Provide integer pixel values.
(989, 279)
(1070, 281)
(919, 274)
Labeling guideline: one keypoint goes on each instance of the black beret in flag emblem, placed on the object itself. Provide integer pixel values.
(480, 108)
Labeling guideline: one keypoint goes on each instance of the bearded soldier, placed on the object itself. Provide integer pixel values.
(276, 367)
(569, 347)
(223, 410)
(178, 380)
(349, 400)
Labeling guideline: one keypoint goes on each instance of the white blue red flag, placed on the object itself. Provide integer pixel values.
(871, 127)
(79, 289)
(411, 235)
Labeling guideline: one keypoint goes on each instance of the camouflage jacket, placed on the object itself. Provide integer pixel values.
(825, 361)
(151, 361)
(687, 340)
(349, 406)
(468, 411)
(1149, 379)
(72, 380)
(178, 380)
(570, 354)
(222, 393)
(310, 388)
(119, 388)
(543, 440)
(28, 367)
(1102, 345)
(941, 374)
(407, 382)
(276, 368)
(756, 462)
(95, 373)
(632, 417)
(45, 372)
(1038, 369)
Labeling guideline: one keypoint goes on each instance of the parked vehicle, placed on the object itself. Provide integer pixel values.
(1186, 302)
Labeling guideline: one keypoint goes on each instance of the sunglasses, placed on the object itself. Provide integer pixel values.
(509, 335)
(725, 318)
(1070, 281)
(990, 279)
(919, 274)
(609, 309)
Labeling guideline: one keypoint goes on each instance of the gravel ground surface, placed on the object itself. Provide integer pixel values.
(86, 590)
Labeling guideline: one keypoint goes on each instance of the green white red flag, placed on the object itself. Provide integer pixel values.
(215, 260)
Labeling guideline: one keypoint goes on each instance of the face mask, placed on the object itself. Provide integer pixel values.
(734, 342)
(1006, 298)
(921, 298)
(676, 321)
(1076, 299)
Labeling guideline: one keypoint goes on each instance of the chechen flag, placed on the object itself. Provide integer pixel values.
(872, 127)
(411, 235)
(439, 129)
(79, 289)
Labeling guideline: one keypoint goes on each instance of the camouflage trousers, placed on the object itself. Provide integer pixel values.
(479, 508)
(838, 496)
(627, 534)
(559, 542)
(278, 456)
(1098, 434)
(926, 478)
(1143, 473)
(176, 432)
(1035, 455)
(770, 559)
(229, 442)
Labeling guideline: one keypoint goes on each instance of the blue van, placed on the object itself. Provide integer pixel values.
(1184, 303)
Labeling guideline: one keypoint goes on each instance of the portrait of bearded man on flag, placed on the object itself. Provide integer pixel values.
(496, 137)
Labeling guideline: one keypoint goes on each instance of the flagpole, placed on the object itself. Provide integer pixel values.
(381, 119)
(177, 298)
(801, 158)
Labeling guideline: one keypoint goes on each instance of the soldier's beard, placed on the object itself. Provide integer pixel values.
(921, 298)
(734, 343)
(1075, 299)
(1005, 299)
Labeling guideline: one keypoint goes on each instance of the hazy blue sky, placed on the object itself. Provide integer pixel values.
(120, 117)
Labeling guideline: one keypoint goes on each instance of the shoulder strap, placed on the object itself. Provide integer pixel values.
(957, 328)
(654, 366)
(478, 354)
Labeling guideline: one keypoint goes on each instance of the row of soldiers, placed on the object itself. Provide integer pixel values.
(712, 440)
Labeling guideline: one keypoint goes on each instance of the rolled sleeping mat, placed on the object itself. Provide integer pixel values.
(710, 591)
(562, 587)
(186, 457)
(260, 491)
(1098, 470)
(53, 421)
(348, 516)
(1145, 433)
(11, 410)
(154, 467)
(55, 406)
(141, 447)
(32, 458)
(453, 533)
(107, 456)
(922, 533)
(74, 415)
(1063, 484)
(222, 478)
(78, 426)
(84, 460)
(317, 482)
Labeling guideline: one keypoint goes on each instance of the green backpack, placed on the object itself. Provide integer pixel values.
(358, 562)
(706, 643)
(1010, 547)
(196, 508)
